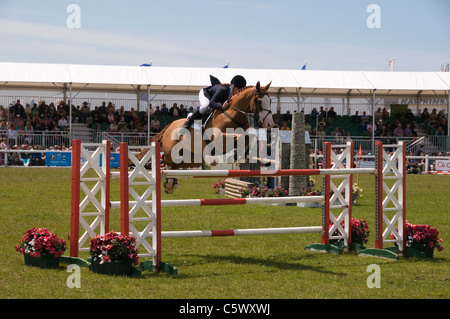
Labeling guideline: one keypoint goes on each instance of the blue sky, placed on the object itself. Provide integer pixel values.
(330, 35)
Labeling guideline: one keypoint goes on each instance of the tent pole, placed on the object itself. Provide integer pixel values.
(148, 114)
(70, 113)
(373, 122)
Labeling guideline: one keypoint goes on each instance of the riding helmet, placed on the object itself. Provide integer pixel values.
(239, 81)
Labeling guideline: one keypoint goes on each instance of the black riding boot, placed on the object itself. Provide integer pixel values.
(196, 115)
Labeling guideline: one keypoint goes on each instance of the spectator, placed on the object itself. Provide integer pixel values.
(62, 123)
(157, 112)
(102, 109)
(398, 131)
(277, 117)
(331, 113)
(110, 118)
(174, 111)
(3, 114)
(155, 125)
(12, 134)
(84, 112)
(365, 117)
(356, 119)
(25, 157)
(363, 127)
(182, 112)
(378, 115)
(440, 131)
(314, 113)
(408, 131)
(287, 117)
(322, 114)
(321, 133)
(284, 126)
(385, 114)
(164, 110)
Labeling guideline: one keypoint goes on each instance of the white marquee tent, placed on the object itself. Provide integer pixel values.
(182, 80)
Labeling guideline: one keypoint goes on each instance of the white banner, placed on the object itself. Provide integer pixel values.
(442, 165)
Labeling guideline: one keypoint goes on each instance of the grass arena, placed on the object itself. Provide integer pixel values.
(275, 266)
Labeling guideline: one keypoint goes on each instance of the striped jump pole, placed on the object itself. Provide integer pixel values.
(97, 162)
(251, 173)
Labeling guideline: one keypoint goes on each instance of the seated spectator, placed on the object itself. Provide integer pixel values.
(174, 111)
(363, 127)
(307, 127)
(356, 118)
(385, 114)
(113, 127)
(321, 133)
(440, 131)
(284, 126)
(277, 117)
(398, 131)
(3, 116)
(408, 130)
(287, 117)
(123, 128)
(110, 117)
(164, 110)
(155, 126)
(14, 157)
(84, 112)
(365, 117)
(182, 112)
(378, 115)
(25, 157)
(62, 123)
(157, 112)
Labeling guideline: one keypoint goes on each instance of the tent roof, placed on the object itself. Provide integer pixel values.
(181, 80)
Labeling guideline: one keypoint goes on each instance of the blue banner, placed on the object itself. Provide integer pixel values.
(114, 160)
(58, 159)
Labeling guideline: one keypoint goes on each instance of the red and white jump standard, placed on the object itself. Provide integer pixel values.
(336, 207)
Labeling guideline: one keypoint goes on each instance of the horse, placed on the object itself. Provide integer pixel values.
(234, 114)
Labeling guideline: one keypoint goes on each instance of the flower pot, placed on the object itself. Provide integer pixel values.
(115, 267)
(221, 192)
(424, 251)
(43, 261)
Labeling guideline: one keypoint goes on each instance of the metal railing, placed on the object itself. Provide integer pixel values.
(46, 139)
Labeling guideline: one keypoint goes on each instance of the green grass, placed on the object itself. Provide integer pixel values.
(274, 266)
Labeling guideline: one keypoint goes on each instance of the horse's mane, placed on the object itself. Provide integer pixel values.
(227, 104)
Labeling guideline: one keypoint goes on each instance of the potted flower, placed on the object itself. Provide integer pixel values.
(219, 187)
(41, 248)
(421, 238)
(309, 191)
(113, 254)
(359, 232)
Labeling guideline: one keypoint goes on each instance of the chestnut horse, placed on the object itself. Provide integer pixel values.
(234, 114)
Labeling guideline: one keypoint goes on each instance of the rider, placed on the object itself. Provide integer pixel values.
(213, 97)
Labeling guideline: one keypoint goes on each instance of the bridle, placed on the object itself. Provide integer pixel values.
(255, 108)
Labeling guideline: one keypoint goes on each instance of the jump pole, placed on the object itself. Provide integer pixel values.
(99, 162)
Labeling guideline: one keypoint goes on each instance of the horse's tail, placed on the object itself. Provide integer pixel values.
(158, 137)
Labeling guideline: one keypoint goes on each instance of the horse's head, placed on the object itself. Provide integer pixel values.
(261, 106)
